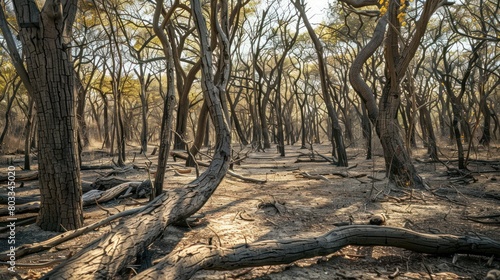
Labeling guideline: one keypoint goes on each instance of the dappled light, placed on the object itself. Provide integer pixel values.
(247, 139)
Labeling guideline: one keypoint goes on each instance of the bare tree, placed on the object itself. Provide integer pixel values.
(384, 116)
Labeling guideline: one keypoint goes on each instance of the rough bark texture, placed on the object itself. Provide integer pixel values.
(45, 37)
(182, 264)
(397, 159)
(169, 102)
(109, 256)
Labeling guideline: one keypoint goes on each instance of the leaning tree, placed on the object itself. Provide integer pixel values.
(398, 55)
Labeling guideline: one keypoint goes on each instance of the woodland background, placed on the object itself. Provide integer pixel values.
(400, 93)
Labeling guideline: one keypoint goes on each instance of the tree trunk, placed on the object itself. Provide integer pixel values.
(397, 160)
(338, 139)
(367, 131)
(45, 37)
(109, 256)
(236, 121)
(169, 102)
(29, 135)
(183, 108)
(10, 102)
(201, 128)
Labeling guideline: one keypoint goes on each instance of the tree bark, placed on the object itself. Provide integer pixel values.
(110, 255)
(169, 102)
(338, 139)
(183, 263)
(46, 37)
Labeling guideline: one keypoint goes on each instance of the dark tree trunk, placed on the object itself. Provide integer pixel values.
(45, 37)
(366, 127)
(338, 139)
(201, 128)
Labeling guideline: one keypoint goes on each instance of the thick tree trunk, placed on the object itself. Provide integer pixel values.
(397, 160)
(45, 36)
(184, 263)
(110, 255)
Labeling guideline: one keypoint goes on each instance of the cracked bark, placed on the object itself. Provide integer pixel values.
(184, 263)
(45, 37)
(109, 256)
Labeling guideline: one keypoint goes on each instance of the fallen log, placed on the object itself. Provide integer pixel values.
(23, 208)
(184, 263)
(22, 176)
(106, 183)
(58, 239)
(4, 199)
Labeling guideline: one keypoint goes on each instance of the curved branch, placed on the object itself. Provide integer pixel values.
(183, 263)
(360, 3)
(355, 78)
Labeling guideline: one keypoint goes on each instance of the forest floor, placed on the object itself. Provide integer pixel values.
(295, 202)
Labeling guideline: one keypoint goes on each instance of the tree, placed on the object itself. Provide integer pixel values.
(46, 39)
(106, 258)
(384, 116)
(337, 139)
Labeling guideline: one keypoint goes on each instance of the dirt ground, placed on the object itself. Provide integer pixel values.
(290, 205)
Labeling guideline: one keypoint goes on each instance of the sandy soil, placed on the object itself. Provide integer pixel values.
(240, 212)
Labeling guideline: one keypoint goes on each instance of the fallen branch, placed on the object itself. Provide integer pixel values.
(184, 263)
(58, 239)
(314, 177)
(229, 172)
(22, 176)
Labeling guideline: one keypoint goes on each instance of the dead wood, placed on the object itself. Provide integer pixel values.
(246, 179)
(58, 239)
(183, 263)
(4, 199)
(93, 196)
(5, 219)
(106, 183)
(23, 208)
(96, 167)
(122, 170)
(229, 172)
(22, 176)
(349, 174)
(309, 160)
(314, 177)
(19, 222)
